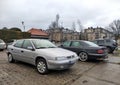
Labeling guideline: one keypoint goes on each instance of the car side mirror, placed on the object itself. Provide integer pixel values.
(30, 48)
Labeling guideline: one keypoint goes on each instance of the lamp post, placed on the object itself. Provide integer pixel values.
(23, 28)
(23, 25)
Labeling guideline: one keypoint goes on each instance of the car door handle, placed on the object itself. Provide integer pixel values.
(11, 49)
(22, 51)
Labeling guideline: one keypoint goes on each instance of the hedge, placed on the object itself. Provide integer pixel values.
(8, 35)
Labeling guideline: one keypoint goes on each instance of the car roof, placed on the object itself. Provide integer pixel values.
(76, 40)
(31, 39)
(103, 39)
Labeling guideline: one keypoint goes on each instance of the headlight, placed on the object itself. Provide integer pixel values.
(76, 56)
(60, 58)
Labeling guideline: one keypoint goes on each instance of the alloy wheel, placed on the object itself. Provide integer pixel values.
(83, 56)
(10, 58)
(41, 66)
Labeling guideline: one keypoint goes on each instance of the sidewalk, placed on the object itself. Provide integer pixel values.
(114, 60)
(118, 47)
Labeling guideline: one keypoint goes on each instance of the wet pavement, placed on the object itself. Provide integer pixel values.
(82, 73)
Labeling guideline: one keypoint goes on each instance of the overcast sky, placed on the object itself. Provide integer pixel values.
(40, 13)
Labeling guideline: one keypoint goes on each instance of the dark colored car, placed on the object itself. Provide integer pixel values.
(85, 49)
(110, 44)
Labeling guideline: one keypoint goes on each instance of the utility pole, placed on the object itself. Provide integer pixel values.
(57, 20)
(23, 28)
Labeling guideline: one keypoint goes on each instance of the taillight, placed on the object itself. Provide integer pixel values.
(100, 51)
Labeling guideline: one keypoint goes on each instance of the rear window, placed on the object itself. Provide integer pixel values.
(66, 44)
(87, 43)
(107, 41)
(100, 42)
(75, 44)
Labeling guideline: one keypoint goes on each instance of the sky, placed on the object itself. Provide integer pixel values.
(40, 13)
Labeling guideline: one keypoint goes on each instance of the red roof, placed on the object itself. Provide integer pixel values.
(38, 32)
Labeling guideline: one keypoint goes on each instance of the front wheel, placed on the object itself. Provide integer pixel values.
(42, 66)
(10, 58)
(83, 56)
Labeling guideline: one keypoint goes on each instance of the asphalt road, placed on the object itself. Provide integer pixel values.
(82, 73)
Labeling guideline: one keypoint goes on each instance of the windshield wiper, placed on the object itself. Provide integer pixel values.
(51, 47)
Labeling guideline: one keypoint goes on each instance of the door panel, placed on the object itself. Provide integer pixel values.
(16, 52)
(28, 56)
(76, 46)
(16, 49)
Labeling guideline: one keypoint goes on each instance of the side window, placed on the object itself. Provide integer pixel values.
(94, 42)
(66, 44)
(107, 41)
(19, 43)
(100, 42)
(26, 44)
(75, 44)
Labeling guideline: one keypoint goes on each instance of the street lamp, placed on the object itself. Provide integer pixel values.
(23, 28)
(23, 25)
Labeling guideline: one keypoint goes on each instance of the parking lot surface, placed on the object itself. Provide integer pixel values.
(105, 72)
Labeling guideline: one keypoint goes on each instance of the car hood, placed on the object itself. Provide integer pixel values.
(55, 52)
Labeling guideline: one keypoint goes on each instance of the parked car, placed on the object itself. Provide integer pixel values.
(85, 49)
(41, 53)
(2, 45)
(11, 42)
(110, 44)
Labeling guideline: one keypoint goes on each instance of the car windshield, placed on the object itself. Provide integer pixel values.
(87, 43)
(113, 40)
(43, 44)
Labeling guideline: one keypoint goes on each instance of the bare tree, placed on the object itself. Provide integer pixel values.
(80, 26)
(81, 35)
(73, 26)
(115, 28)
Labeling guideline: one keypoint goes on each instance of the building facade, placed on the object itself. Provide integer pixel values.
(61, 34)
(97, 33)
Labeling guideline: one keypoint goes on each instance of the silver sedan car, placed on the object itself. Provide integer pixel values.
(41, 53)
(2, 45)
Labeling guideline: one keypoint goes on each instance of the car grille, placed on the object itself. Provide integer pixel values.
(70, 57)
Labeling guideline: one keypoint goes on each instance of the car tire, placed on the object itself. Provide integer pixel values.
(83, 56)
(41, 66)
(1, 49)
(10, 58)
(109, 50)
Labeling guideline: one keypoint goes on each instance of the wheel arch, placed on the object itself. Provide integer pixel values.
(111, 50)
(82, 51)
(8, 53)
(39, 57)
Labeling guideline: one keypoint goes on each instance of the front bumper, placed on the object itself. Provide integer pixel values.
(2, 46)
(60, 65)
